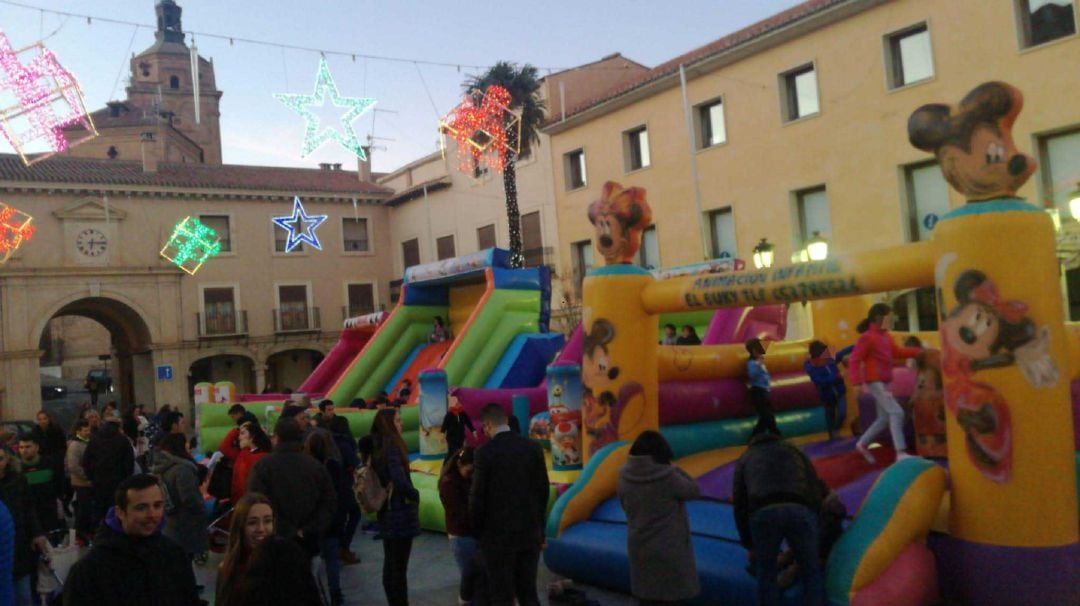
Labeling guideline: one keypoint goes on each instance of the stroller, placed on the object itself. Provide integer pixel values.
(54, 566)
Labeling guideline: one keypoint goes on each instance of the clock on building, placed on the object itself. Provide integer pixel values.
(91, 242)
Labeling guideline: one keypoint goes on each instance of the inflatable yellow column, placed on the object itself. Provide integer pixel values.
(619, 370)
(1009, 420)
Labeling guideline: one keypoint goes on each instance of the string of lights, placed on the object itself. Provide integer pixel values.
(354, 55)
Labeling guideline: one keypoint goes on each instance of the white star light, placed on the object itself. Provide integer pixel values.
(314, 137)
(300, 225)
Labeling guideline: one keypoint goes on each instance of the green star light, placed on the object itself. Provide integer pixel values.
(313, 138)
(191, 245)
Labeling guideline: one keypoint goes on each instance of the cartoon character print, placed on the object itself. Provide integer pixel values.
(973, 141)
(540, 427)
(928, 399)
(601, 409)
(566, 450)
(619, 217)
(984, 331)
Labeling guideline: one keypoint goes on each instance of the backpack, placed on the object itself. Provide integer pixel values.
(220, 484)
(370, 493)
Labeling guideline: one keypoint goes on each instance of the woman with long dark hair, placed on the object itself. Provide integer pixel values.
(252, 445)
(439, 331)
(185, 519)
(260, 568)
(318, 445)
(455, 480)
(399, 519)
(871, 365)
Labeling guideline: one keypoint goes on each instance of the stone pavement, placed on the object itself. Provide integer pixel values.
(433, 576)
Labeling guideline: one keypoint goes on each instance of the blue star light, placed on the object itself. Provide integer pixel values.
(315, 137)
(300, 225)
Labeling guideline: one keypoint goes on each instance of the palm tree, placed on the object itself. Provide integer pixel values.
(523, 85)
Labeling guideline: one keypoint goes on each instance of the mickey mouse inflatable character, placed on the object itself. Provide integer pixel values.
(619, 216)
(973, 141)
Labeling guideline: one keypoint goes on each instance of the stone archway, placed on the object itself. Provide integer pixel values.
(236, 367)
(129, 345)
(291, 367)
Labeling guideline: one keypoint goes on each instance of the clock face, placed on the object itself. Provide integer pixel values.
(91, 242)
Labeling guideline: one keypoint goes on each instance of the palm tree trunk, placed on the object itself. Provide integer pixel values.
(513, 214)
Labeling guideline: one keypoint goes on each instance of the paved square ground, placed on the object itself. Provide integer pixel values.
(433, 576)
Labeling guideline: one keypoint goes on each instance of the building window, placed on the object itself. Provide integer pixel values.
(910, 58)
(532, 239)
(1041, 21)
(916, 311)
(355, 234)
(444, 247)
(485, 237)
(583, 262)
(112, 153)
(293, 308)
(1059, 157)
(478, 171)
(361, 299)
(220, 225)
(174, 82)
(281, 238)
(220, 309)
(722, 230)
(927, 198)
(574, 168)
(410, 253)
(710, 117)
(813, 210)
(636, 149)
(649, 253)
(799, 92)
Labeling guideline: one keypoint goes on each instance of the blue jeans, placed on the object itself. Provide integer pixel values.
(330, 546)
(464, 548)
(798, 524)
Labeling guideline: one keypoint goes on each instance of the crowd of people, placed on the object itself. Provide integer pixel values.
(133, 492)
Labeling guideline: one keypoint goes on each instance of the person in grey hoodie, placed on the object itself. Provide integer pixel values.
(653, 493)
(185, 515)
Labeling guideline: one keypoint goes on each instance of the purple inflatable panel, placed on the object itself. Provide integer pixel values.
(474, 399)
(683, 402)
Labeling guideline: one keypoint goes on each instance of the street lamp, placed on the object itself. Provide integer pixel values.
(817, 248)
(1074, 203)
(763, 254)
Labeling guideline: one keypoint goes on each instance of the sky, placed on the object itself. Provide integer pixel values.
(258, 130)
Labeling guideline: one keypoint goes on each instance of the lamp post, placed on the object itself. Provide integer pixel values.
(763, 254)
(817, 248)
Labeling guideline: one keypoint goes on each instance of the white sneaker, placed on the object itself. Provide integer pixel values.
(865, 452)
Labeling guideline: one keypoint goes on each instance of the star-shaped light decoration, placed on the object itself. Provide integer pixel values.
(318, 134)
(42, 110)
(482, 129)
(300, 225)
(191, 245)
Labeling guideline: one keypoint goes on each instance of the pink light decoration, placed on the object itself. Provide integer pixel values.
(39, 98)
(481, 130)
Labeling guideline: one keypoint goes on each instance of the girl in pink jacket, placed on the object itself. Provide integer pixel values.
(871, 368)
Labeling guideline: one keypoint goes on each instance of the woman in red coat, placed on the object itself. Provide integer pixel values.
(244, 446)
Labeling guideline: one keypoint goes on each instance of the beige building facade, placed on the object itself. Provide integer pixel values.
(796, 127)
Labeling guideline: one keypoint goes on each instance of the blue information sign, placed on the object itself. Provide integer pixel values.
(164, 372)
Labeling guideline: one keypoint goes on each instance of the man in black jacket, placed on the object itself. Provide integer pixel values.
(777, 495)
(109, 459)
(508, 502)
(298, 486)
(131, 562)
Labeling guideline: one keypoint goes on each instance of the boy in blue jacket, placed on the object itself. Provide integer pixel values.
(822, 369)
(760, 384)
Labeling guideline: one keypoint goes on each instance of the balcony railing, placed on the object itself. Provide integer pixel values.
(296, 320)
(218, 324)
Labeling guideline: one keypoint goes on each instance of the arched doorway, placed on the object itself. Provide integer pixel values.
(289, 368)
(240, 369)
(107, 338)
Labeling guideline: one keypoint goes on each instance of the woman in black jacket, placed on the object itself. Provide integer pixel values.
(15, 493)
(454, 483)
(318, 445)
(399, 519)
